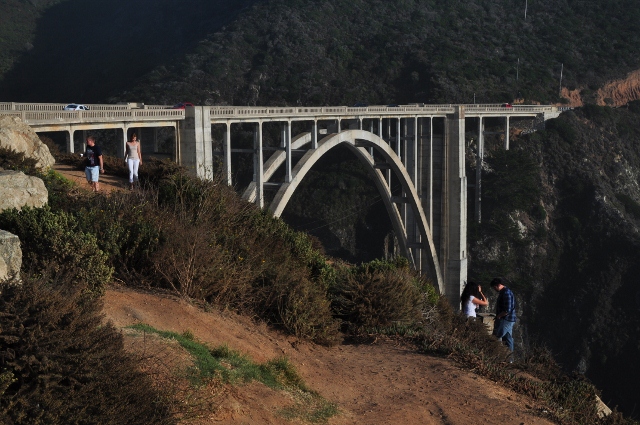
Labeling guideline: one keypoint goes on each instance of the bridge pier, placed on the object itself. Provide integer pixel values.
(196, 150)
(453, 251)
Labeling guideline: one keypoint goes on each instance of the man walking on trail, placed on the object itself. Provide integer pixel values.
(93, 164)
(505, 312)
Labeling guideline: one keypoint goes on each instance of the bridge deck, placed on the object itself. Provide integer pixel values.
(46, 114)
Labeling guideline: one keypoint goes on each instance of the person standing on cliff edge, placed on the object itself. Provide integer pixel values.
(505, 312)
(93, 163)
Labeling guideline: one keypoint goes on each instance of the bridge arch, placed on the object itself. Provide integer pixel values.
(358, 141)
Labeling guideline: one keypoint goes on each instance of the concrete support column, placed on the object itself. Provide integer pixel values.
(398, 140)
(479, 162)
(122, 146)
(84, 140)
(69, 140)
(314, 135)
(414, 170)
(430, 176)
(156, 147)
(226, 146)
(177, 153)
(371, 131)
(287, 141)
(195, 148)
(258, 164)
(506, 134)
(388, 172)
(454, 226)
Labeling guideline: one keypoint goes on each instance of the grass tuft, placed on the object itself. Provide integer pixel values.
(232, 367)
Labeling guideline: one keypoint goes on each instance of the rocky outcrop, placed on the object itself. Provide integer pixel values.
(573, 96)
(18, 136)
(10, 257)
(18, 190)
(620, 92)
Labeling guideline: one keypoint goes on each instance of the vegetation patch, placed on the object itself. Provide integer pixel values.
(232, 367)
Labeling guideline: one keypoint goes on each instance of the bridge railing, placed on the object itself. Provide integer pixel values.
(18, 106)
(250, 112)
(97, 115)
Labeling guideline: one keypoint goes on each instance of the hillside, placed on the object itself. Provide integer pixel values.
(375, 382)
(567, 237)
(315, 53)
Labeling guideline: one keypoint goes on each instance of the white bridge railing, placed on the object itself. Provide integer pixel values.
(53, 113)
(62, 117)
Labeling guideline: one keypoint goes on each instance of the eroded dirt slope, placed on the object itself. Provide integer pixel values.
(375, 384)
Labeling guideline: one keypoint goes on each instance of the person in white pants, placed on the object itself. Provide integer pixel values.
(133, 158)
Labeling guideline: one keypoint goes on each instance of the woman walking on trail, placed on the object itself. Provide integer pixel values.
(133, 157)
(472, 297)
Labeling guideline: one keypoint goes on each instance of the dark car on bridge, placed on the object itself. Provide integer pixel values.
(181, 105)
(507, 105)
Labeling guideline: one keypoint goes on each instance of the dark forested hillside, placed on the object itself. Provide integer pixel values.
(339, 52)
(83, 50)
(571, 247)
(313, 52)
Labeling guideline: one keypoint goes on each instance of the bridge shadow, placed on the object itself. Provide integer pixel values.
(85, 51)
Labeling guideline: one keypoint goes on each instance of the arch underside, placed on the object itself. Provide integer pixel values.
(358, 142)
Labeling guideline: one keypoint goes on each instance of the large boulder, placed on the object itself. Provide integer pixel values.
(10, 257)
(18, 136)
(18, 190)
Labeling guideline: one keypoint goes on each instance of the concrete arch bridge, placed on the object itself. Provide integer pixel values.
(415, 155)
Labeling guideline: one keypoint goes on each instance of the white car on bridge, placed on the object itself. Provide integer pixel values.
(76, 107)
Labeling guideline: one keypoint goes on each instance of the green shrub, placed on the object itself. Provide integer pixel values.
(12, 160)
(513, 183)
(562, 126)
(370, 296)
(51, 241)
(127, 226)
(61, 365)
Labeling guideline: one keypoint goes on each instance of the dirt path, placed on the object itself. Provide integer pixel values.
(375, 384)
(107, 182)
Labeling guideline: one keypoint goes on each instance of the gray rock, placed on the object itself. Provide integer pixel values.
(10, 257)
(18, 136)
(18, 190)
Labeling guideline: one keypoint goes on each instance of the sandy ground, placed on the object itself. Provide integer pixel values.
(378, 383)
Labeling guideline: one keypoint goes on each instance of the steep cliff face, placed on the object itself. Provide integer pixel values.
(614, 93)
(574, 255)
(620, 92)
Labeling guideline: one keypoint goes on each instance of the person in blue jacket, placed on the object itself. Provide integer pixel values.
(505, 312)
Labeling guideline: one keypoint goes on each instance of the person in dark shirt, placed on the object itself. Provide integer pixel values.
(505, 312)
(93, 163)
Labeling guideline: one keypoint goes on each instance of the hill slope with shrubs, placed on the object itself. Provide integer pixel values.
(199, 241)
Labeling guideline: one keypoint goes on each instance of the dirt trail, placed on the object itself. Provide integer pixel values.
(374, 384)
(107, 182)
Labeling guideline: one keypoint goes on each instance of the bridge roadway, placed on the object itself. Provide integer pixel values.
(420, 174)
